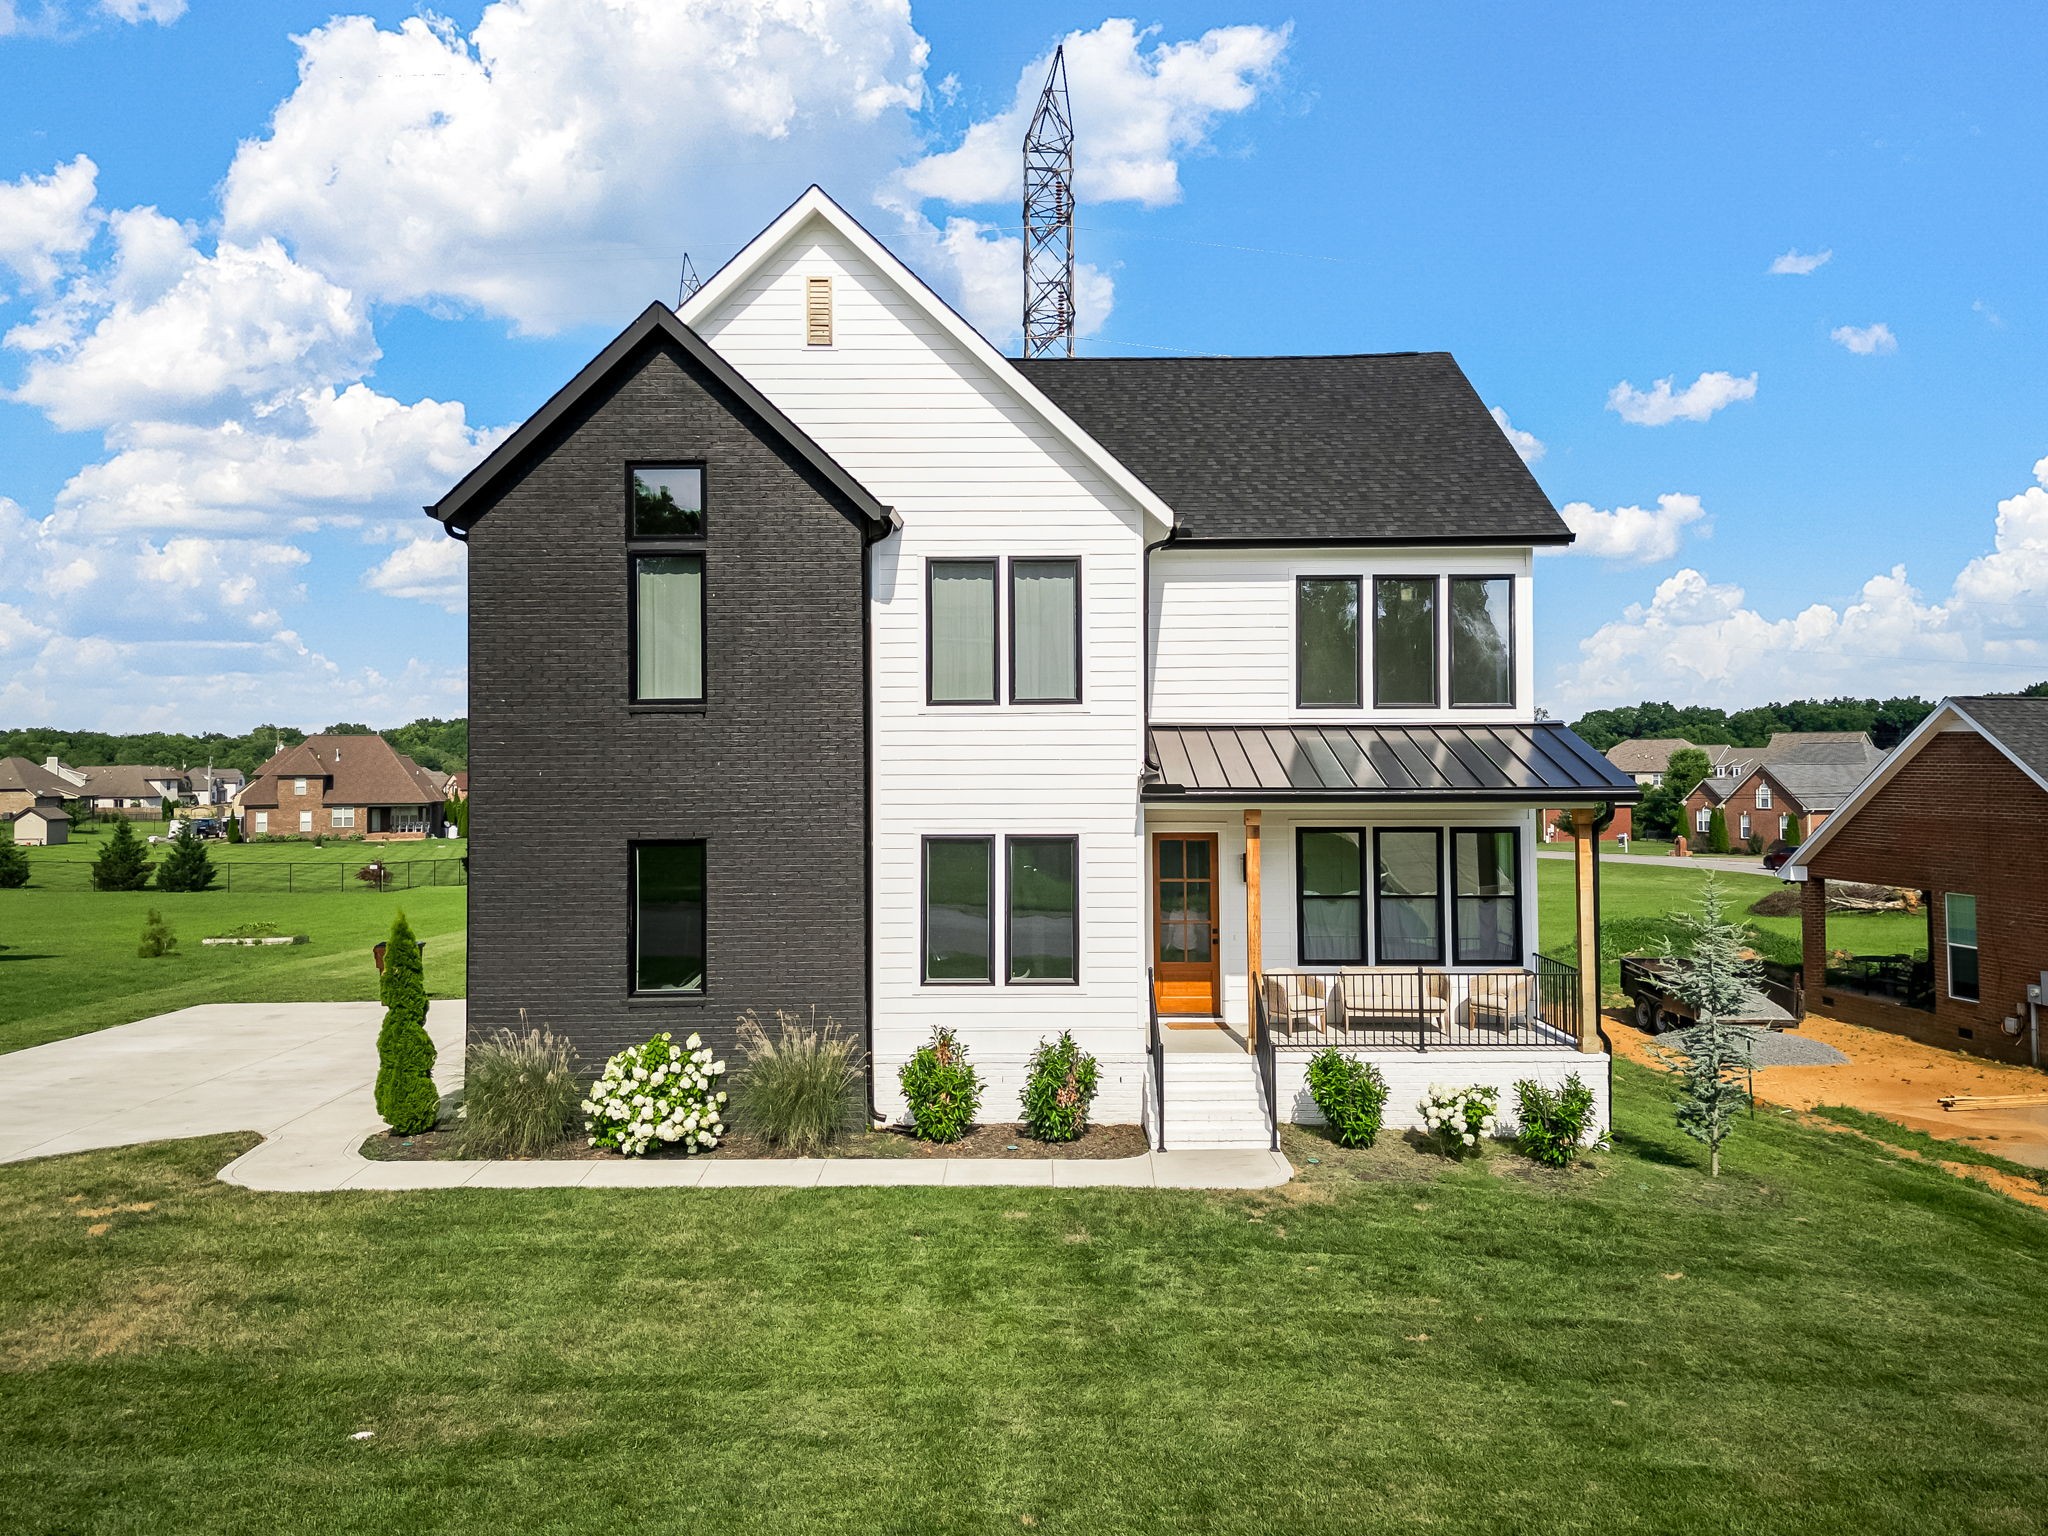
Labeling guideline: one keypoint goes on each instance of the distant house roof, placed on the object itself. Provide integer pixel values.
(1650, 754)
(18, 773)
(127, 781)
(46, 812)
(360, 770)
(1819, 786)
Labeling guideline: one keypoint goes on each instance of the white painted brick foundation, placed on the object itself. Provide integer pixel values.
(1409, 1075)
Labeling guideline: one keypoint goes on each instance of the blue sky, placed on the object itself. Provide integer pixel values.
(222, 416)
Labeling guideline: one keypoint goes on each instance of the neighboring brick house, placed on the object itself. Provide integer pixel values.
(342, 786)
(1807, 778)
(24, 786)
(1958, 811)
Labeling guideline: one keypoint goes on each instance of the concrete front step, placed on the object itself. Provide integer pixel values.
(1215, 1102)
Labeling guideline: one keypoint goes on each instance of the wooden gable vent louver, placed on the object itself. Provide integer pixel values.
(818, 311)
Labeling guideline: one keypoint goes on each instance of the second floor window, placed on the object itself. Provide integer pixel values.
(1404, 642)
(1482, 640)
(1763, 797)
(666, 520)
(1326, 642)
(960, 637)
(1045, 631)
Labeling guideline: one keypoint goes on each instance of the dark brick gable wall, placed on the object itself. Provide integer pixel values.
(1958, 817)
(564, 775)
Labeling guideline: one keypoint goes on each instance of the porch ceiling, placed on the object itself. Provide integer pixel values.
(1541, 764)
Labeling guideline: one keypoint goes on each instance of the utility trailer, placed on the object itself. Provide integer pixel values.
(1779, 1004)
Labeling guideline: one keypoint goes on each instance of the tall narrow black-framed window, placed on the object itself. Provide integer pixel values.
(665, 533)
(1959, 919)
(1045, 631)
(1042, 903)
(1326, 666)
(668, 917)
(1486, 913)
(1408, 901)
(959, 912)
(1482, 641)
(1332, 895)
(960, 631)
(1404, 642)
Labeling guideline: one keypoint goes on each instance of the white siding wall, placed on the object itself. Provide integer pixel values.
(931, 431)
(1223, 626)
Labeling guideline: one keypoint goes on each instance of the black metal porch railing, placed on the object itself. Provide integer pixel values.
(1421, 1008)
(1155, 1047)
(1265, 1052)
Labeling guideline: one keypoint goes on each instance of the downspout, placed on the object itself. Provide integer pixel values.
(1145, 641)
(867, 801)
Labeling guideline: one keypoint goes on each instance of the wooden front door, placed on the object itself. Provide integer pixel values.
(1187, 959)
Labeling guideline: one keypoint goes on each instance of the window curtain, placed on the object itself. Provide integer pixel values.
(963, 633)
(1332, 898)
(1483, 885)
(670, 642)
(1044, 605)
(1410, 888)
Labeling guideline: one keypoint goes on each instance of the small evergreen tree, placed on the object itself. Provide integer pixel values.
(157, 938)
(1794, 836)
(406, 1096)
(1717, 831)
(1713, 1063)
(123, 865)
(234, 829)
(186, 867)
(458, 812)
(13, 866)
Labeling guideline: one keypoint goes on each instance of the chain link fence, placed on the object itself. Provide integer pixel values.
(280, 875)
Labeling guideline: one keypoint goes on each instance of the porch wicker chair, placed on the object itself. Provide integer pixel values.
(1500, 1000)
(1307, 1004)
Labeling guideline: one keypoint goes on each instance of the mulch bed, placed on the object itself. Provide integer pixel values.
(1009, 1142)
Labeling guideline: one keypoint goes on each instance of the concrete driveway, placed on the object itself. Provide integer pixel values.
(269, 1067)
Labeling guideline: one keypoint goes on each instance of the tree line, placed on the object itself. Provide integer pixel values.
(1885, 721)
(442, 745)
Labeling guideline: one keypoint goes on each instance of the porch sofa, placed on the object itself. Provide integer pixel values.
(1371, 997)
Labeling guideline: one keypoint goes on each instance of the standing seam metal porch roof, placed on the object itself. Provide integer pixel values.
(1540, 764)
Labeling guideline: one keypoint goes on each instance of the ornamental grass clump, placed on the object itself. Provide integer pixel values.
(1351, 1094)
(942, 1088)
(658, 1094)
(801, 1086)
(1459, 1120)
(1058, 1088)
(1554, 1124)
(520, 1094)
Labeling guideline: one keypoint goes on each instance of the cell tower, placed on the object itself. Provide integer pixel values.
(1049, 219)
(688, 283)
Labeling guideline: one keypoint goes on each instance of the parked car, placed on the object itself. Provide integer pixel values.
(1776, 855)
(208, 827)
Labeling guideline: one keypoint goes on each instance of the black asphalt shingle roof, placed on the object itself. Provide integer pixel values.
(1390, 447)
(2018, 723)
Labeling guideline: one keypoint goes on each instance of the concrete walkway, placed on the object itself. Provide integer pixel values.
(303, 1073)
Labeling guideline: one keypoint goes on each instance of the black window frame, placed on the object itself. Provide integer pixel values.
(1450, 658)
(1366, 896)
(995, 639)
(1007, 623)
(1301, 579)
(1949, 947)
(924, 910)
(1442, 920)
(1518, 950)
(641, 546)
(1436, 641)
(662, 996)
(1010, 978)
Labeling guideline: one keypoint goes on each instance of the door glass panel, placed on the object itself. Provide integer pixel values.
(1173, 901)
(1171, 950)
(1198, 861)
(1197, 942)
(1198, 902)
(1169, 859)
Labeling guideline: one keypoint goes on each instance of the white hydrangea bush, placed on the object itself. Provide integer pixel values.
(658, 1094)
(1460, 1118)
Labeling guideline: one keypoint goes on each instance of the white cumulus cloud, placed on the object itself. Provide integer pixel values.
(1865, 340)
(1634, 535)
(432, 568)
(1795, 263)
(1527, 444)
(1662, 404)
(46, 219)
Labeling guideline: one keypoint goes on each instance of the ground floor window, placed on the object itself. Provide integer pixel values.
(1484, 889)
(305, 821)
(1332, 896)
(1408, 895)
(959, 929)
(1745, 824)
(668, 917)
(1700, 818)
(343, 816)
(263, 822)
(1041, 894)
(1041, 926)
(1959, 916)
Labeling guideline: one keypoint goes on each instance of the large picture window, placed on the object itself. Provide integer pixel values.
(1045, 631)
(959, 928)
(960, 631)
(1482, 640)
(1326, 642)
(668, 917)
(1408, 898)
(1486, 915)
(1332, 888)
(1043, 903)
(1404, 642)
(668, 629)
(1959, 917)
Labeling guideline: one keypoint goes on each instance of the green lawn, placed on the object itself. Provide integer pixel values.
(88, 838)
(68, 963)
(1825, 1339)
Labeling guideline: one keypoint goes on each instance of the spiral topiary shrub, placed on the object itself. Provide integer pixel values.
(943, 1090)
(406, 1095)
(1058, 1088)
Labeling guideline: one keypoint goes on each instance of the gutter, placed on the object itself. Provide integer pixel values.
(1145, 648)
(870, 537)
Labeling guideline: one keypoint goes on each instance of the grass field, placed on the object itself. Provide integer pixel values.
(89, 838)
(68, 963)
(1825, 1339)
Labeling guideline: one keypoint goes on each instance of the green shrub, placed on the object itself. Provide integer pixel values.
(1350, 1093)
(943, 1089)
(406, 1096)
(1058, 1088)
(234, 829)
(157, 938)
(186, 867)
(1459, 1120)
(13, 867)
(1752, 844)
(801, 1086)
(1717, 831)
(1553, 1121)
(520, 1093)
(248, 931)
(1794, 835)
(123, 865)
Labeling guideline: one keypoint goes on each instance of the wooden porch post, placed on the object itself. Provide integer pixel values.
(1585, 850)
(1254, 931)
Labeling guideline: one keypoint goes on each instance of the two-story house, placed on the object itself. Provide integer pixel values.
(342, 786)
(1185, 704)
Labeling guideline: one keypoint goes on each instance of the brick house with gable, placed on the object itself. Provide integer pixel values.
(343, 786)
(1807, 779)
